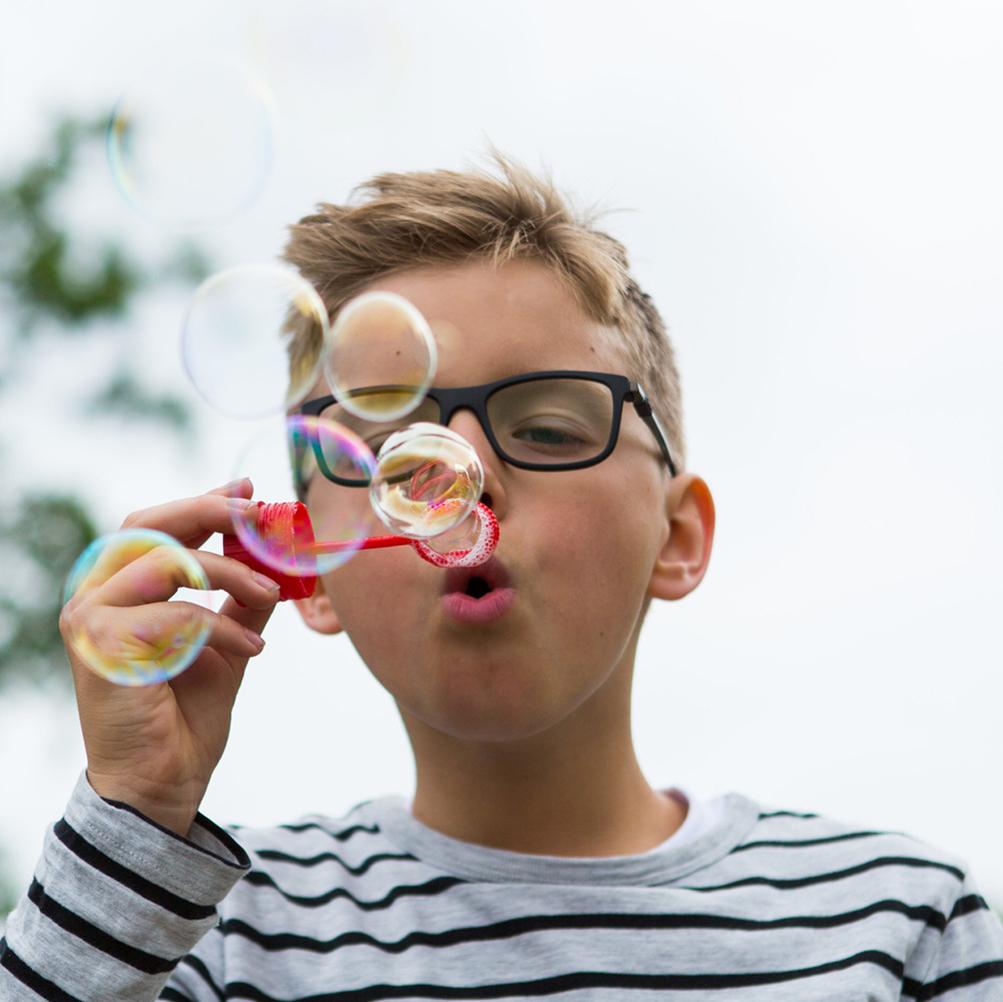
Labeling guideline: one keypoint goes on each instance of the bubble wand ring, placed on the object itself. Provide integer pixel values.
(479, 553)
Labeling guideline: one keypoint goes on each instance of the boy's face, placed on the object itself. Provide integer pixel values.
(579, 546)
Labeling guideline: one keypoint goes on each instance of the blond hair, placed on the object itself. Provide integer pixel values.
(396, 222)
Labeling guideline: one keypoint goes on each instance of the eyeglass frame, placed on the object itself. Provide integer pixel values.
(475, 398)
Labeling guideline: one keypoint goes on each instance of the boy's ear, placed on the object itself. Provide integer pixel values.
(682, 561)
(318, 613)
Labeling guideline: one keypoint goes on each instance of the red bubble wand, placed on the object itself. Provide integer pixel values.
(286, 527)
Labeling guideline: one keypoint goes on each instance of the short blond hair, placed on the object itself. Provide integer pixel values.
(396, 222)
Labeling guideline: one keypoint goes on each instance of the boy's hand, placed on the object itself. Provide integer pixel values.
(154, 747)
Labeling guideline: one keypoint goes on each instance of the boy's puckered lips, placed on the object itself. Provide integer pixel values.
(493, 573)
(476, 596)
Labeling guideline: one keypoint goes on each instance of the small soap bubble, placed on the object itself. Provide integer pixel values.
(427, 480)
(123, 644)
(235, 335)
(190, 143)
(294, 459)
(380, 356)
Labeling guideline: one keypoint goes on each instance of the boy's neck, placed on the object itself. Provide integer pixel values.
(576, 790)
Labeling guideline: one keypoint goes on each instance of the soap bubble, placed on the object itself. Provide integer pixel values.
(427, 480)
(190, 143)
(469, 544)
(380, 356)
(118, 643)
(235, 334)
(329, 531)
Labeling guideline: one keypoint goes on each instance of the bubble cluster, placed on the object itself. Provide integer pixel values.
(380, 356)
(232, 343)
(190, 143)
(427, 480)
(118, 644)
(286, 459)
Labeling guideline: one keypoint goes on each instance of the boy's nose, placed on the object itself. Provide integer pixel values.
(465, 422)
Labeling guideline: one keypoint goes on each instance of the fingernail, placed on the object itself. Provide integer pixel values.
(264, 582)
(256, 641)
(239, 504)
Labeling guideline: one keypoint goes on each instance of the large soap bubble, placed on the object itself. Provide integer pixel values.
(289, 459)
(427, 480)
(117, 642)
(190, 143)
(232, 343)
(380, 357)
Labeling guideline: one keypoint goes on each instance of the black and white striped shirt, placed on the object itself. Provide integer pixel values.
(740, 904)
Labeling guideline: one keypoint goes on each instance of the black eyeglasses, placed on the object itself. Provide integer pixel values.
(553, 421)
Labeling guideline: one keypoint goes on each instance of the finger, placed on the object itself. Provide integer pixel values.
(251, 619)
(193, 520)
(160, 572)
(204, 673)
(247, 618)
(156, 638)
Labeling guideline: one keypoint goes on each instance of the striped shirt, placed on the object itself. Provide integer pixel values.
(742, 903)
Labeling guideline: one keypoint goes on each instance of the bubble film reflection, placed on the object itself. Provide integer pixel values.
(290, 459)
(235, 334)
(131, 649)
(427, 480)
(190, 144)
(380, 356)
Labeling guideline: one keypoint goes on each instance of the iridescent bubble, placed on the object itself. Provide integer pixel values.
(122, 624)
(380, 356)
(427, 480)
(235, 337)
(190, 143)
(469, 544)
(296, 458)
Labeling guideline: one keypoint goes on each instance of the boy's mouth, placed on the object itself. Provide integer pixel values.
(478, 594)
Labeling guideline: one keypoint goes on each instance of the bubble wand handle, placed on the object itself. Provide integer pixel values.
(350, 545)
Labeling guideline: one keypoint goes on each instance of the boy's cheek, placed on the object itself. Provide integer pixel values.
(383, 597)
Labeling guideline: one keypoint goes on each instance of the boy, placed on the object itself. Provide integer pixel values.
(534, 859)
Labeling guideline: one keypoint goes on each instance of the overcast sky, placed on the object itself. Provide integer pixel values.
(811, 194)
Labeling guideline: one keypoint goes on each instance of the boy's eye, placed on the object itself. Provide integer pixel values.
(549, 436)
(545, 436)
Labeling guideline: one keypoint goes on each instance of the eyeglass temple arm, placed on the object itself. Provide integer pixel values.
(644, 409)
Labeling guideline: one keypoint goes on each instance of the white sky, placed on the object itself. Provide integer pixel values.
(813, 200)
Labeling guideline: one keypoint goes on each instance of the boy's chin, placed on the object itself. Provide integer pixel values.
(484, 730)
(503, 714)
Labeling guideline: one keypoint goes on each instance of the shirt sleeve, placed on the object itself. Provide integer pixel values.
(967, 961)
(116, 902)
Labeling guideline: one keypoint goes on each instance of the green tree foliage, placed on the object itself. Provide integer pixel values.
(46, 292)
(38, 276)
(44, 536)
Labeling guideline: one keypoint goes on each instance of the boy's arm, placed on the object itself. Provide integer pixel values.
(116, 902)
(967, 959)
